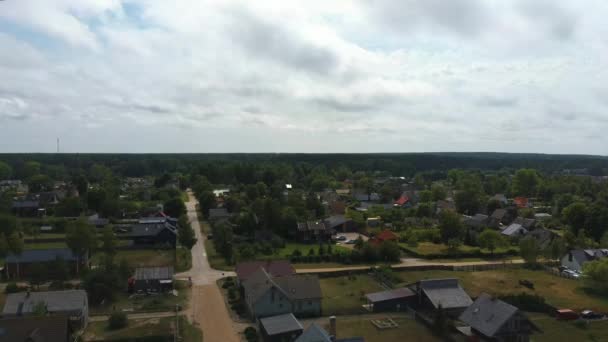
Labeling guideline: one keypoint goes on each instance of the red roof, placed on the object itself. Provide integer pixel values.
(387, 235)
(277, 268)
(402, 200)
(521, 202)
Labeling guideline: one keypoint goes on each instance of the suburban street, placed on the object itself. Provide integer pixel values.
(207, 308)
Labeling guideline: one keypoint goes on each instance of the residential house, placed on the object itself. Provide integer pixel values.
(277, 268)
(542, 216)
(158, 233)
(445, 293)
(576, 258)
(22, 265)
(281, 328)
(522, 202)
(313, 231)
(500, 198)
(500, 217)
(544, 237)
(27, 208)
(97, 221)
(151, 280)
(53, 328)
(527, 223)
(340, 223)
(363, 196)
(444, 205)
(72, 303)
(315, 333)
(514, 231)
(490, 319)
(364, 206)
(337, 207)
(219, 214)
(343, 192)
(403, 202)
(14, 185)
(385, 235)
(266, 295)
(477, 222)
(391, 300)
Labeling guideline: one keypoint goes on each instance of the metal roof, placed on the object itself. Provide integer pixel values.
(41, 255)
(445, 292)
(56, 301)
(314, 333)
(487, 315)
(281, 324)
(153, 273)
(389, 295)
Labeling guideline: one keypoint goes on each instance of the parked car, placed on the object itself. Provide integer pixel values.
(566, 315)
(341, 238)
(350, 242)
(588, 314)
(572, 274)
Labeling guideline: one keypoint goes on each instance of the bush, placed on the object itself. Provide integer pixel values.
(528, 302)
(251, 334)
(118, 320)
(231, 294)
(13, 288)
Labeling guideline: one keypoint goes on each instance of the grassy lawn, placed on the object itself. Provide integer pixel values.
(215, 260)
(142, 257)
(408, 330)
(45, 245)
(158, 303)
(162, 327)
(429, 248)
(559, 292)
(183, 260)
(342, 295)
(554, 330)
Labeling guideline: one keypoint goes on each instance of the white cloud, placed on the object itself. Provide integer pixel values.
(269, 75)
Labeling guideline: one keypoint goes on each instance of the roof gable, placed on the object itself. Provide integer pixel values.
(446, 293)
(314, 333)
(487, 315)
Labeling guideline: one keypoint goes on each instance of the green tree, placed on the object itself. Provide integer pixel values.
(450, 226)
(438, 192)
(174, 207)
(575, 215)
(38, 274)
(596, 275)
(529, 250)
(80, 239)
(389, 251)
(186, 235)
(69, 207)
(108, 240)
(38, 183)
(222, 240)
(30, 169)
(118, 320)
(491, 240)
(525, 182)
(206, 201)
(6, 171)
(555, 250)
(425, 196)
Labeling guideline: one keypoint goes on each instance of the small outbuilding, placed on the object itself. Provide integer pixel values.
(392, 300)
(280, 328)
(152, 280)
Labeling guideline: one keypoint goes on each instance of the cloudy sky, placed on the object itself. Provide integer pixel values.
(304, 76)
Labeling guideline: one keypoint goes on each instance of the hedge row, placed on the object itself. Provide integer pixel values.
(474, 253)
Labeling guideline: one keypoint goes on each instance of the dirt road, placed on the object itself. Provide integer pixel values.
(207, 307)
(409, 262)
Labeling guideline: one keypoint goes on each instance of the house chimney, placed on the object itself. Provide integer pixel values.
(332, 327)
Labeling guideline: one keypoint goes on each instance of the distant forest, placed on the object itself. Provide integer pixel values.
(220, 167)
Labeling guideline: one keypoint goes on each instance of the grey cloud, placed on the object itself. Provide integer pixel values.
(498, 101)
(559, 22)
(465, 17)
(268, 40)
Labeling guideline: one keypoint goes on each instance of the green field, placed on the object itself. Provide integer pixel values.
(142, 257)
(183, 260)
(342, 295)
(559, 292)
(156, 303)
(429, 248)
(163, 327)
(408, 330)
(554, 330)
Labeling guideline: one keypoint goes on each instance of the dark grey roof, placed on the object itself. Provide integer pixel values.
(153, 273)
(52, 328)
(543, 236)
(487, 315)
(527, 223)
(445, 292)
(41, 255)
(478, 220)
(151, 229)
(219, 213)
(514, 229)
(314, 333)
(389, 295)
(281, 324)
(367, 205)
(499, 214)
(300, 286)
(311, 226)
(25, 204)
(56, 301)
(584, 255)
(293, 286)
(364, 197)
(336, 220)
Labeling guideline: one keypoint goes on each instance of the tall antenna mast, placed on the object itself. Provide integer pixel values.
(57, 145)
